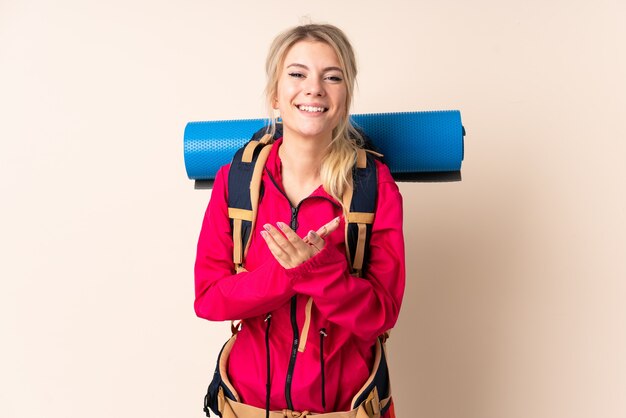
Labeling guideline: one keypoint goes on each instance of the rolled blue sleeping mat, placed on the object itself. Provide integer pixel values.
(417, 146)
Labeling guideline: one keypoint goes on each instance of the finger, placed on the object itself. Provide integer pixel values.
(283, 250)
(293, 250)
(275, 249)
(279, 238)
(299, 251)
(329, 227)
(315, 240)
(297, 242)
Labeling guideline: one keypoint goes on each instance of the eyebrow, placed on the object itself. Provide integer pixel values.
(295, 64)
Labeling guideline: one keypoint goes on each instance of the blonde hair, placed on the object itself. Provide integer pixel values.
(336, 168)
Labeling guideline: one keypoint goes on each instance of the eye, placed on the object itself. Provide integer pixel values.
(334, 78)
(296, 74)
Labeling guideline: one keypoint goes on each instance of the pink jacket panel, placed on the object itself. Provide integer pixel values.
(353, 311)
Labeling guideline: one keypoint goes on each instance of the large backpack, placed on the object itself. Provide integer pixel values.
(244, 194)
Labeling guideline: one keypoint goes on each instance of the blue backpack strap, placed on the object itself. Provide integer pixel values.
(360, 199)
(244, 190)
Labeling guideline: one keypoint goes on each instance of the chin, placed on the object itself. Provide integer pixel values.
(311, 131)
(315, 133)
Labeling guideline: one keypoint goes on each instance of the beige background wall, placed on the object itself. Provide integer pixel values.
(514, 305)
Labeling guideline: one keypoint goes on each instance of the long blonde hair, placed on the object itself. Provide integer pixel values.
(336, 168)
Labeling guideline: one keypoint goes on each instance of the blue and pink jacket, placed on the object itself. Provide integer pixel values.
(347, 313)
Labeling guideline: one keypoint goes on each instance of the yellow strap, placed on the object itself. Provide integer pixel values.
(248, 152)
(360, 217)
(359, 254)
(237, 244)
(255, 189)
(307, 323)
(266, 139)
(287, 413)
(384, 402)
(243, 214)
(240, 410)
(370, 408)
(378, 154)
(223, 366)
(347, 199)
(235, 326)
(372, 405)
(378, 355)
(361, 158)
(220, 400)
(238, 214)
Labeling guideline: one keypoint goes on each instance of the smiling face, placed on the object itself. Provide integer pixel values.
(311, 92)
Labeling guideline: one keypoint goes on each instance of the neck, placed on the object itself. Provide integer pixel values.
(302, 158)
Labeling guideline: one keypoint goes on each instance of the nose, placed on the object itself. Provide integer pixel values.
(314, 87)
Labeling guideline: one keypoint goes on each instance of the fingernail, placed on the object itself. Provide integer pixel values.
(312, 234)
(336, 220)
(281, 225)
(264, 234)
(267, 227)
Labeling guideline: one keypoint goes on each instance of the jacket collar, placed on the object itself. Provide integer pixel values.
(273, 166)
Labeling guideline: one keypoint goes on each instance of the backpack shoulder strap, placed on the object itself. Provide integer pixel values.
(360, 201)
(244, 189)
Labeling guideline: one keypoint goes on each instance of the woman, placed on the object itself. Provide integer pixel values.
(296, 271)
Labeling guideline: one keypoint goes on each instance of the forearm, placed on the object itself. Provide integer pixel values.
(221, 296)
(366, 306)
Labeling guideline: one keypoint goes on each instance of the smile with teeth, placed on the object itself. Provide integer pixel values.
(312, 109)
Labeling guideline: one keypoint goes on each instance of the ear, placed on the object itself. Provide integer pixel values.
(275, 103)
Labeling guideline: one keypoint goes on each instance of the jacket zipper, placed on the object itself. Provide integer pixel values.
(294, 322)
(322, 335)
(294, 217)
(294, 325)
(294, 353)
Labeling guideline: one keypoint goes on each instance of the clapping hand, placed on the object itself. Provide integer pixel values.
(289, 249)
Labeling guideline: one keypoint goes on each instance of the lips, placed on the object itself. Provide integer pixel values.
(312, 108)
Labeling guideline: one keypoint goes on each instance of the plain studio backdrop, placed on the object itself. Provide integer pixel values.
(514, 306)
